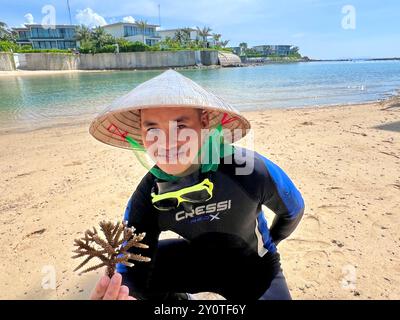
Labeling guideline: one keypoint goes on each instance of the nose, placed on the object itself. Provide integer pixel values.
(171, 136)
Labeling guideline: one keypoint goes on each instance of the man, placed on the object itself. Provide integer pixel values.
(213, 201)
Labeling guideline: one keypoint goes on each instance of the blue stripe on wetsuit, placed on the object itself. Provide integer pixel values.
(287, 191)
(263, 229)
(120, 267)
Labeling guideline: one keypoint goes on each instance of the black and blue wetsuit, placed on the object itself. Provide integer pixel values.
(226, 246)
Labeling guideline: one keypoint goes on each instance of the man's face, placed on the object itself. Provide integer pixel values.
(173, 136)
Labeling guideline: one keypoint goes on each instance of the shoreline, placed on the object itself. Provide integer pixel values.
(44, 72)
(56, 72)
(243, 64)
(79, 120)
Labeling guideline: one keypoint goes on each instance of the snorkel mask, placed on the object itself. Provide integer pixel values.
(168, 195)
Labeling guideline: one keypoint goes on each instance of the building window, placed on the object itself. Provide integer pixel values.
(130, 31)
(34, 32)
(149, 31)
(69, 33)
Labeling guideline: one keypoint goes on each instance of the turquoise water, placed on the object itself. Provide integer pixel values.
(31, 101)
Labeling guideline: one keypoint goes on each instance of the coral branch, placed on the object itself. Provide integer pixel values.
(111, 250)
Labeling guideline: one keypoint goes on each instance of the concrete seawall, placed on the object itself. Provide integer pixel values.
(104, 61)
(6, 61)
(47, 61)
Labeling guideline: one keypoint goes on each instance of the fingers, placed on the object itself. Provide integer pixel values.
(113, 287)
(123, 293)
(100, 289)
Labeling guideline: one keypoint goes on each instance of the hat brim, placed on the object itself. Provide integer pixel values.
(112, 126)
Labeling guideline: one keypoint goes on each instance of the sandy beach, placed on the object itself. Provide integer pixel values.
(345, 160)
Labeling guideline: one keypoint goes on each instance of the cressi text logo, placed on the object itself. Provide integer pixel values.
(211, 209)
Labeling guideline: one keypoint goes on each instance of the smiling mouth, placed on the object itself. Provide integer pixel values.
(168, 156)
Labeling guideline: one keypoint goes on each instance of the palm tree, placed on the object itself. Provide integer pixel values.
(5, 33)
(101, 37)
(295, 51)
(204, 33)
(142, 24)
(179, 37)
(224, 43)
(216, 37)
(3, 27)
(243, 47)
(186, 31)
(83, 33)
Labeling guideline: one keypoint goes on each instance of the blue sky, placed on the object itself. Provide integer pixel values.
(313, 25)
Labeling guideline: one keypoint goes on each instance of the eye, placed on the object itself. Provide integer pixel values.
(181, 126)
(149, 129)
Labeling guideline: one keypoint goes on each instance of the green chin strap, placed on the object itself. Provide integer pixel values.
(209, 154)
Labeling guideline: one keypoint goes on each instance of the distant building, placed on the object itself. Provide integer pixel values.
(236, 50)
(133, 32)
(39, 37)
(279, 50)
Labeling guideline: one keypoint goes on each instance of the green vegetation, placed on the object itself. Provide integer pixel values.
(98, 41)
(9, 46)
(182, 41)
(43, 50)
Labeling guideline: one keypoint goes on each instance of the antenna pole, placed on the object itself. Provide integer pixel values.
(69, 12)
(159, 15)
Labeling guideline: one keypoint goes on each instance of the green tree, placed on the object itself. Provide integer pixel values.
(5, 33)
(216, 38)
(294, 51)
(179, 37)
(101, 38)
(83, 33)
(3, 28)
(224, 43)
(142, 24)
(186, 31)
(204, 33)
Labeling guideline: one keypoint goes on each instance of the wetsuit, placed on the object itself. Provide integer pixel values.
(226, 245)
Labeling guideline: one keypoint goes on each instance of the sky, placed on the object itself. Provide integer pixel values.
(322, 29)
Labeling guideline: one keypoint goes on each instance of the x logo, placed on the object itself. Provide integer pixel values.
(214, 216)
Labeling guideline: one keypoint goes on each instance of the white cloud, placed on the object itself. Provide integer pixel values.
(28, 18)
(129, 19)
(90, 18)
(298, 35)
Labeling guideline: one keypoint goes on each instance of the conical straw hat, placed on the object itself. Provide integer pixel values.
(169, 89)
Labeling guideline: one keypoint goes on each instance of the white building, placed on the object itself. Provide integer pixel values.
(280, 50)
(134, 32)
